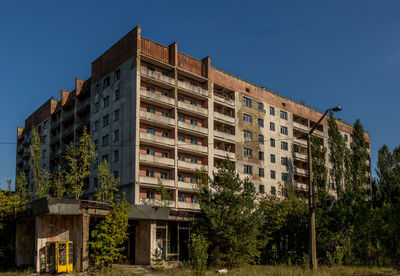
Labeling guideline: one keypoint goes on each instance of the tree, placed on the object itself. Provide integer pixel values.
(107, 183)
(165, 194)
(40, 175)
(79, 159)
(21, 188)
(337, 152)
(57, 183)
(109, 235)
(318, 152)
(229, 218)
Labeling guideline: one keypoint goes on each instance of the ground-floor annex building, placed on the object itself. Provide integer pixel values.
(157, 115)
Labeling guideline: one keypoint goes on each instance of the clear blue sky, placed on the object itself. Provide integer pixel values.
(326, 53)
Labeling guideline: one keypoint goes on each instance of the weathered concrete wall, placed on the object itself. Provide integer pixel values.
(25, 242)
(143, 242)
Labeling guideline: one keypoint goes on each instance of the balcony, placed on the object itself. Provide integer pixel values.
(151, 117)
(155, 160)
(191, 166)
(187, 186)
(192, 88)
(223, 135)
(300, 186)
(157, 98)
(300, 156)
(159, 140)
(156, 202)
(224, 118)
(68, 131)
(224, 100)
(156, 181)
(68, 115)
(55, 139)
(300, 171)
(55, 154)
(192, 147)
(83, 123)
(20, 148)
(83, 105)
(192, 108)
(156, 76)
(188, 205)
(26, 154)
(223, 154)
(193, 128)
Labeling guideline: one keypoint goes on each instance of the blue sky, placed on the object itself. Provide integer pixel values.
(326, 53)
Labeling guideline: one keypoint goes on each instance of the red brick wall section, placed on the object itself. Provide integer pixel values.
(189, 64)
(19, 131)
(116, 55)
(78, 86)
(40, 114)
(66, 96)
(154, 50)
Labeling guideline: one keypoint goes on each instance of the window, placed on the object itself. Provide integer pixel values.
(272, 126)
(194, 199)
(45, 124)
(261, 172)
(248, 169)
(261, 139)
(95, 182)
(115, 174)
(260, 106)
(44, 137)
(96, 125)
(285, 177)
(165, 154)
(193, 160)
(181, 138)
(165, 93)
(44, 153)
(247, 101)
(272, 110)
(193, 102)
(150, 89)
(164, 133)
(260, 122)
(181, 118)
(284, 161)
(192, 179)
(116, 155)
(248, 152)
(181, 99)
(181, 157)
(165, 114)
(181, 177)
(150, 194)
(284, 145)
(330, 158)
(284, 115)
(151, 131)
(105, 141)
(117, 74)
(96, 144)
(182, 198)
(261, 189)
(273, 174)
(117, 95)
(272, 158)
(272, 143)
(332, 186)
(116, 115)
(261, 155)
(106, 82)
(105, 121)
(193, 122)
(150, 151)
(247, 118)
(247, 135)
(331, 173)
(104, 158)
(149, 173)
(193, 141)
(273, 190)
(284, 130)
(151, 110)
(96, 107)
(97, 88)
(106, 102)
(346, 137)
(116, 135)
(164, 175)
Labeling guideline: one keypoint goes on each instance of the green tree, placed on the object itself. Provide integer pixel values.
(198, 253)
(107, 183)
(109, 235)
(79, 160)
(318, 152)
(57, 183)
(229, 218)
(21, 188)
(40, 175)
(337, 150)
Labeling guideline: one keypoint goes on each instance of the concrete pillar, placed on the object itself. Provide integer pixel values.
(145, 241)
(85, 242)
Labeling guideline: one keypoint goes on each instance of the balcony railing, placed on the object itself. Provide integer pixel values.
(156, 202)
(192, 147)
(223, 135)
(187, 185)
(156, 160)
(223, 154)
(157, 76)
(156, 181)
(194, 128)
(224, 118)
(193, 108)
(83, 104)
(192, 88)
(68, 131)
(300, 171)
(188, 205)
(156, 118)
(300, 186)
(157, 98)
(156, 139)
(224, 100)
(300, 156)
(191, 166)
(68, 115)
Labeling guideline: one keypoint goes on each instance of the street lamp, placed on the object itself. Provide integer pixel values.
(311, 191)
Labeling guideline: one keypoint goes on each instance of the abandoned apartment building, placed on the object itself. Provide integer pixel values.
(156, 115)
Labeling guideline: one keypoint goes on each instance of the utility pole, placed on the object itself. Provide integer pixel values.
(311, 192)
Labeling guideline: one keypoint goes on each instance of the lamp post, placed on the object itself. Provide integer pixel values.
(311, 192)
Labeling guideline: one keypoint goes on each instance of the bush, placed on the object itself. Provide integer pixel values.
(198, 253)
